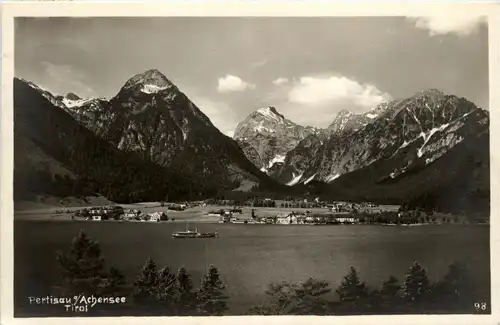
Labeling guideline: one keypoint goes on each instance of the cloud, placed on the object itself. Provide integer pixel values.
(460, 22)
(231, 83)
(230, 134)
(63, 79)
(280, 81)
(335, 90)
(325, 95)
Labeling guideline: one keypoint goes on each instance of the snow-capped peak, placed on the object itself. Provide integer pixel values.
(271, 113)
(70, 103)
(151, 81)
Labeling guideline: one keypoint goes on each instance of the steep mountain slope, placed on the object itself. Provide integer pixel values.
(457, 182)
(150, 117)
(430, 150)
(55, 155)
(266, 136)
(421, 128)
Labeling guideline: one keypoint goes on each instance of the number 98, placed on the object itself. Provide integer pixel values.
(480, 305)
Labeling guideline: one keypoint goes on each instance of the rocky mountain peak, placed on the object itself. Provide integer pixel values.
(431, 92)
(266, 136)
(345, 119)
(72, 96)
(270, 113)
(151, 81)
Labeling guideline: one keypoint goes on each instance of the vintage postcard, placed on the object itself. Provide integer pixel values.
(199, 160)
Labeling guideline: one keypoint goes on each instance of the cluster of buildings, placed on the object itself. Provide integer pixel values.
(293, 218)
(137, 215)
(117, 213)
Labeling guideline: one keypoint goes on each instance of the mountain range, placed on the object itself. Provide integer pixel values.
(150, 141)
(393, 152)
(149, 121)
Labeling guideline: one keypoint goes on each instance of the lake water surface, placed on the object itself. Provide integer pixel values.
(250, 257)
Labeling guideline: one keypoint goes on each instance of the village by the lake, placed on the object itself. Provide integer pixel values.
(255, 212)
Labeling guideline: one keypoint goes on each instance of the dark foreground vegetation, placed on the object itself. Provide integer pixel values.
(160, 291)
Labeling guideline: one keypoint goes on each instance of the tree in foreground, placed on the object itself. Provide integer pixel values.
(390, 288)
(455, 291)
(309, 298)
(210, 297)
(416, 286)
(304, 298)
(164, 291)
(353, 292)
(167, 291)
(280, 300)
(387, 298)
(83, 269)
(186, 298)
(146, 284)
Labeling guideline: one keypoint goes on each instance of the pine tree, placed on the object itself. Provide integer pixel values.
(146, 284)
(281, 300)
(416, 284)
(390, 288)
(210, 296)
(309, 296)
(167, 290)
(352, 291)
(115, 281)
(186, 299)
(83, 269)
(387, 297)
(458, 279)
(455, 291)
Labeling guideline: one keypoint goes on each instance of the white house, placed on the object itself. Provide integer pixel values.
(346, 219)
(287, 219)
(156, 216)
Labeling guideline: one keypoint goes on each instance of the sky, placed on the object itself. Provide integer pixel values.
(309, 69)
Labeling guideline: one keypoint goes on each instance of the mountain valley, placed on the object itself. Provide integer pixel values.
(400, 151)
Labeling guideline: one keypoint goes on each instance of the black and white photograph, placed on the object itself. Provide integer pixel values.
(251, 165)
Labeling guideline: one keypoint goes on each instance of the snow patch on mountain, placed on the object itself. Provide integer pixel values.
(270, 113)
(427, 136)
(75, 103)
(277, 159)
(405, 143)
(295, 179)
(153, 89)
(332, 177)
(310, 179)
(261, 128)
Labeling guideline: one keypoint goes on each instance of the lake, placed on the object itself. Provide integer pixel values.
(250, 257)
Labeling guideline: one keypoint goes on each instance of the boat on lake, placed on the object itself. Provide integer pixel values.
(189, 233)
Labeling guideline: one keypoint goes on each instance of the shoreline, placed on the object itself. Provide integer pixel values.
(182, 221)
(202, 214)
